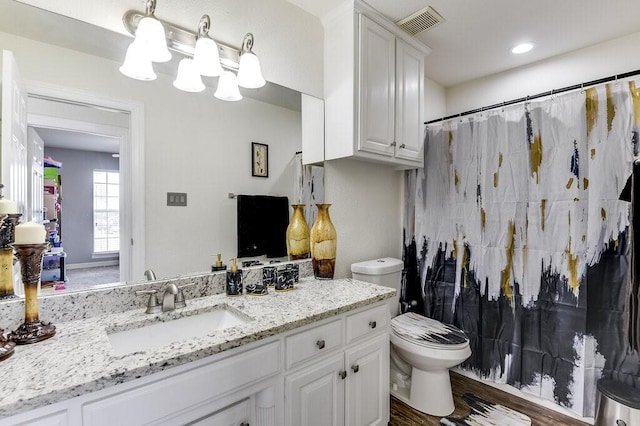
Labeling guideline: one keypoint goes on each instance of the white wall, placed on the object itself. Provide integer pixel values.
(194, 143)
(435, 102)
(366, 211)
(602, 60)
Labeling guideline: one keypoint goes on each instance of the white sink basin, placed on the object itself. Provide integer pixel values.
(147, 335)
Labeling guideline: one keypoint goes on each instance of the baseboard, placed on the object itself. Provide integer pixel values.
(517, 392)
(113, 262)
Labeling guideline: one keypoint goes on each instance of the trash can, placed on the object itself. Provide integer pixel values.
(618, 404)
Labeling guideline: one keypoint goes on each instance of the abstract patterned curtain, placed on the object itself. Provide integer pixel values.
(513, 209)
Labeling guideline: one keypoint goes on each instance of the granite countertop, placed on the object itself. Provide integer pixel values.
(79, 358)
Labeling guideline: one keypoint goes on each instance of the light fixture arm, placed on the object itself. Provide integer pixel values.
(203, 26)
(247, 44)
(151, 8)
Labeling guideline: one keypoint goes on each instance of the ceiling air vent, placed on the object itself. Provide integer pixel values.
(420, 21)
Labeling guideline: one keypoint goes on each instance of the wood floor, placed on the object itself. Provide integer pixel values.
(403, 415)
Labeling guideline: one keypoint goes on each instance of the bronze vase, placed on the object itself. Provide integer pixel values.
(298, 234)
(32, 330)
(323, 244)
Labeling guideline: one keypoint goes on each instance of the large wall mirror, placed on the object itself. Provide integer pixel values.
(93, 119)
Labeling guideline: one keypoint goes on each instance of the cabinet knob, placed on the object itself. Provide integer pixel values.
(342, 374)
(402, 146)
(372, 324)
(355, 368)
(392, 143)
(320, 344)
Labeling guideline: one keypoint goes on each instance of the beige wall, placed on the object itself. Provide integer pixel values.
(602, 60)
(366, 211)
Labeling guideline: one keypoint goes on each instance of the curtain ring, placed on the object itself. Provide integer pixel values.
(581, 87)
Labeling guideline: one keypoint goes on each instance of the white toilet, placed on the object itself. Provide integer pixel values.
(422, 349)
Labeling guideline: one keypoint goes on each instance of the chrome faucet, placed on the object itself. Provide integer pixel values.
(150, 275)
(169, 298)
(172, 298)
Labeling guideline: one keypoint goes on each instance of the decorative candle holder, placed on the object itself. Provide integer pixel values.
(32, 330)
(7, 236)
(6, 347)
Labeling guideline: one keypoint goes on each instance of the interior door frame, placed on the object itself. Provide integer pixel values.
(132, 228)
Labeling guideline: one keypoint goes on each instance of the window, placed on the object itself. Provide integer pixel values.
(106, 211)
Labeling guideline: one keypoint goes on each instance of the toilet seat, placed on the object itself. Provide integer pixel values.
(426, 332)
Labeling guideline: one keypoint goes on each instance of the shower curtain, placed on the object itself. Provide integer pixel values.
(517, 232)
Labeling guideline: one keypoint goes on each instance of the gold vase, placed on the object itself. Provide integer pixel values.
(298, 234)
(323, 244)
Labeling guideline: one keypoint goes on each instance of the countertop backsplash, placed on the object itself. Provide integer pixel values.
(90, 303)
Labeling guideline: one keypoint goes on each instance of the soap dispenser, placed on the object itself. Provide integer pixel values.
(234, 279)
(218, 265)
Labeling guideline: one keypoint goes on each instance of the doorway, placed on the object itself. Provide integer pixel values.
(81, 126)
(81, 197)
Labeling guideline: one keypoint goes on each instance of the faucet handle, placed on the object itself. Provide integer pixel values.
(180, 303)
(152, 305)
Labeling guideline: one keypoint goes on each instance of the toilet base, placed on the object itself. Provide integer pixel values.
(431, 392)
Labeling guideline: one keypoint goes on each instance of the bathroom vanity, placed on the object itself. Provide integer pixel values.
(321, 349)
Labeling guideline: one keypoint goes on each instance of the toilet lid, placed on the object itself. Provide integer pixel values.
(423, 331)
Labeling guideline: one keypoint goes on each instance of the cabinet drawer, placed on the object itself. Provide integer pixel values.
(317, 340)
(156, 401)
(367, 322)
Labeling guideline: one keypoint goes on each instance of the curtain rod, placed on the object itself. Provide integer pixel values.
(539, 95)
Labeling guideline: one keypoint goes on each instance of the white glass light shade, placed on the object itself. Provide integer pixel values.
(137, 63)
(207, 57)
(228, 87)
(249, 72)
(150, 33)
(188, 78)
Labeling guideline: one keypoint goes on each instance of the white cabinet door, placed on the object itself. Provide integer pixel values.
(314, 396)
(35, 152)
(13, 152)
(368, 383)
(409, 101)
(377, 88)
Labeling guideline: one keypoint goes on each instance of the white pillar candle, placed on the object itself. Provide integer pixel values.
(30, 233)
(8, 206)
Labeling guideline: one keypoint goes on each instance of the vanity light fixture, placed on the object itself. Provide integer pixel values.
(203, 55)
(228, 87)
(188, 78)
(249, 72)
(206, 55)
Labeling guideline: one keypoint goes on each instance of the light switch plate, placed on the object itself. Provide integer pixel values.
(177, 199)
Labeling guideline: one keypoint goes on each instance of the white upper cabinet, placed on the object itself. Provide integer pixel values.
(377, 88)
(409, 102)
(374, 89)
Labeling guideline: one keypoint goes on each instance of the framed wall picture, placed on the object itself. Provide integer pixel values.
(259, 159)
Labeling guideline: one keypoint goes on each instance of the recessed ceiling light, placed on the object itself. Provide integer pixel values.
(522, 48)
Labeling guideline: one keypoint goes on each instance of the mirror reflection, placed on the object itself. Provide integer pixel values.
(124, 145)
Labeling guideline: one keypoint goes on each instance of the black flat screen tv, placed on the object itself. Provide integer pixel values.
(262, 225)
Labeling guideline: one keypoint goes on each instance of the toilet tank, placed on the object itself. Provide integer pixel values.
(386, 271)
